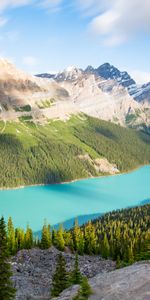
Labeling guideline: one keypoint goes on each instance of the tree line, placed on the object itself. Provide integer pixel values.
(61, 278)
(122, 235)
(38, 156)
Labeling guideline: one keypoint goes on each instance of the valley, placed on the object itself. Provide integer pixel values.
(61, 151)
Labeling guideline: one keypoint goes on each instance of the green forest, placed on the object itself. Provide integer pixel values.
(34, 154)
(122, 235)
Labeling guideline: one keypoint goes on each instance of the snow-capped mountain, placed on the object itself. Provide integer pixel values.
(107, 72)
(102, 93)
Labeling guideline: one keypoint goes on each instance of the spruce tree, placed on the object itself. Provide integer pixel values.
(11, 237)
(28, 243)
(60, 277)
(85, 290)
(105, 247)
(60, 242)
(7, 292)
(76, 277)
(46, 240)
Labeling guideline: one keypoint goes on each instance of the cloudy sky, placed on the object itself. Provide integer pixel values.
(48, 35)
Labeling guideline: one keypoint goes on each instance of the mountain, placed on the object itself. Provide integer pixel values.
(21, 93)
(56, 151)
(102, 93)
(107, 93)
(108, 71)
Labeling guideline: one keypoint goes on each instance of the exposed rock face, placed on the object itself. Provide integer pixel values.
(102, 165)
(105, 93)
(18, 89)
(130, 283)
(33, 270)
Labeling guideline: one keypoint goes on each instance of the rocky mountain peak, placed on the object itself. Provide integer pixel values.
(89, 70)
(108, 71)
(71, 73)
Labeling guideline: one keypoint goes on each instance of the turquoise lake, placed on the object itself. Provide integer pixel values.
(61, 202)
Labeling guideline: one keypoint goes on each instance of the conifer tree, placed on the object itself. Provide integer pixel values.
(11, 237)
(85, 290)
(90, 238)
(60, 242)
(60, 277)
(76, 277)
(19, 236)
(46, 240)
(28, 243)
(7, 292)
(105, 247)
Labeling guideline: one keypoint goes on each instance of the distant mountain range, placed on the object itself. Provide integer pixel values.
(109, 72)
(104, 92)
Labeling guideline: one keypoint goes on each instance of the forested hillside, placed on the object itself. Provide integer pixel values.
(35, 154)
(122, 235)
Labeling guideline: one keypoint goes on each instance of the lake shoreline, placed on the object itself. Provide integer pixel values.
(71, 181)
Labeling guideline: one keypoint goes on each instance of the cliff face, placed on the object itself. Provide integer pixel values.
(102, 93)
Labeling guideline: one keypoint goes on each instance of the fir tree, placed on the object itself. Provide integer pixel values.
(76, 274)
(90, 238)
(28, 243)
(60, 277)
(85, 290)
(46, 240)
(11, 237)
(7, 292)
(60, 242)
(105, 247)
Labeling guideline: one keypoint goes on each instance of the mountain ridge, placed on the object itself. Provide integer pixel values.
(72, 92)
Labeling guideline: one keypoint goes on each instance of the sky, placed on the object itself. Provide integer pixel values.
(48, 35)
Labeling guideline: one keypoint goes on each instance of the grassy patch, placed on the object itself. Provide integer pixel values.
(25, 108)
(46, 103)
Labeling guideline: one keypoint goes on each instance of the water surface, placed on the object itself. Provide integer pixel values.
(61, 202)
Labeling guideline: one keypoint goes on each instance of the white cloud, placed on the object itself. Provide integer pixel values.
(91, 7)
(3, 21)
(140, 77)
(50, 3)
(120, 19)
(30, 61)
(12, 3)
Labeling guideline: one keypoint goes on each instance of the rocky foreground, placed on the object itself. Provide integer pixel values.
(130, 283)
(33, 270)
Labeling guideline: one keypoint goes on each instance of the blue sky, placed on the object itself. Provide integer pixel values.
(48, 35)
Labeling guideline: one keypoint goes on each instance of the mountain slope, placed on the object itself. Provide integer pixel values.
(61, 151)
(107, 93)
(69, 93)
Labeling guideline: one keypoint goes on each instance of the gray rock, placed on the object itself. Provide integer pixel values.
(33, 270)
(130, 283)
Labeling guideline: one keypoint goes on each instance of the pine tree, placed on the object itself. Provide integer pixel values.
(60, 277)
(11, 237)
(60, 242)
(105, 247)
(46, 240)
(28, 243)
(85, 290)
(19, 236)
(76, 277)
(90, 238)
(7, 292)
